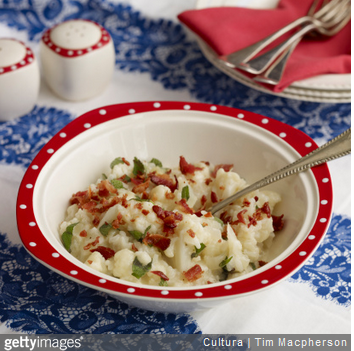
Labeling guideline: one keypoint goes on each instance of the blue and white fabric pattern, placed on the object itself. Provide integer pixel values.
(33, 299)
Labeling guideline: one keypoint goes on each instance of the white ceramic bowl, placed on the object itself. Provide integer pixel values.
(77, 58)
(19, 79)
(255, 144)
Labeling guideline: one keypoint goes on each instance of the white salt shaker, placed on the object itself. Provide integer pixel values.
(19, 79)
(77, 58)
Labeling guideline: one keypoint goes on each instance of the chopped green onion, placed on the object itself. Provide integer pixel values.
(139, 270)
(253, 266)
(219, 220)
(139, 168)
(156, 162)
(198, 251)
(139, 199)
(104, 176)
(185, 192)
(105, 228)
(116, 161)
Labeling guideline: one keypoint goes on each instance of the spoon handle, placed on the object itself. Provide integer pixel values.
(335, 148)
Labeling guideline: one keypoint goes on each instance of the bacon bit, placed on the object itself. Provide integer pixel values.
(186, 167)
(208, 214)
(252, 221)
(145, 212)
(105, 187)
(89, 262)
(164, 179)
(94, 243)
(206, 162)
(137, 180)
(140, 188)
(191, 233)
(278, 223)
(125, 161)
(193, 273)
(225, 218)
(203, 200)
(157, 240)
(256, 198)
(266, 209)
(89, 206)
(134, 248)
(225, 167)
(83, 233)
(184, 206)
(80, 198)
(240, 218)
(220, 241)
(245, 203)
(161, 275)
(119, 221)
(208, 181)
(214, 197)
(169, 195)
(145, 195)
(168, 217)
(106, 252)
(96, 220)
(261, 263)
(199, 213)
(124, 201)
(204, 224)
(138, 205)
(133, 220)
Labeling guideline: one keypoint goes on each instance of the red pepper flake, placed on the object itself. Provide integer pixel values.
(208, 181)
(193, 273)
(145, 212)
(225, 167)
(157, 240)
(187, 168)
(134, 248)
(203, 200)
(208, 214)
(278, 222)
(161, 275)
(89, 262)
(106, 252)
(256, 198)
(83, 233)
(191, 233)
(261, 263)
(266, 209)
(240, 218)
(252, 221)
(138, 205)
(214, 197)
(225, 218)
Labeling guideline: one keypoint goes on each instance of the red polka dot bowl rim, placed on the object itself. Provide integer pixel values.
(257, 145)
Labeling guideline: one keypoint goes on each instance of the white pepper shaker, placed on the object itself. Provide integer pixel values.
(77, 58)
(19, 79)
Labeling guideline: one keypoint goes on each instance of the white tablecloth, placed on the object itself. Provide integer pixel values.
(158, 60)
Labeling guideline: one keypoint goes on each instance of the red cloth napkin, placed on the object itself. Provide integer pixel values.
(228, 29)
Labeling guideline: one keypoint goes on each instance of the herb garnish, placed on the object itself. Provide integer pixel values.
(68, 235)
(139, 168)
(139, 270)
(156, 162)
(118, 184)
(198, 251)
(224, 262)
(105, 228)
(138, 235)
(185, 192)
(116, 161)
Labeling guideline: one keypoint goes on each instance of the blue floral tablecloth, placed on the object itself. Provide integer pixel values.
(156, 59)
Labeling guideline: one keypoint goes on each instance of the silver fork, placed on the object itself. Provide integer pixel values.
(275, 72)
(247, 53)
(335, 148)
(323, 25)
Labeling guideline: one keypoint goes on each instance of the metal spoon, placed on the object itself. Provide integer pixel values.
(335, 148)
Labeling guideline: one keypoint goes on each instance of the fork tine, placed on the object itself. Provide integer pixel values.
(261, 63)
(275, 71)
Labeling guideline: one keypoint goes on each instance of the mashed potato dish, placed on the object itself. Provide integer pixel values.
(145, 223)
